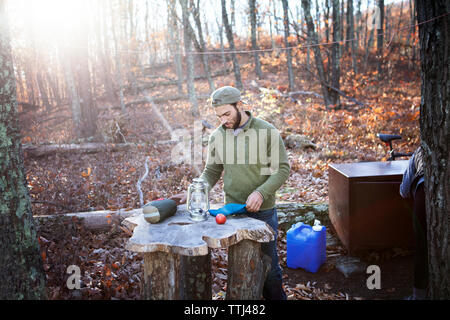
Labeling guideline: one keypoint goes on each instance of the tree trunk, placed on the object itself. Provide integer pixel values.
(21, 273)
(358, 24)
(131, 58)
(110, 92)
(189, 59)
(80, 66)
(87, 104)
(30, 85)
(317, 55)
(247, 271)
(252, 8)
(202, 46)
(412, 33)
(351, 34)
(233, 14)
(174, 43)
(286, 44)
(53, 88)
(72, 93)
(335, 56)
(229, 32)
(387, 26)
(18, 74)
(435, 136)
(161, 276)
(327, 26)
(196, 277)
(272, 41)
(43, 91)
(380, 37)
(341, 24)
(117, 55)
(222, 49)
(368, 46)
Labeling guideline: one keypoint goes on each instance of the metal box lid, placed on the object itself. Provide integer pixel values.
(371, 169)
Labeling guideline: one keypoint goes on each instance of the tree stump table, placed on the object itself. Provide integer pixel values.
(177, 260)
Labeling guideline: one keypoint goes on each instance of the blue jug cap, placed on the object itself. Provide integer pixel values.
(317, 226)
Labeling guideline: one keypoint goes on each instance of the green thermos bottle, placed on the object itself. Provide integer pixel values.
(159, 210)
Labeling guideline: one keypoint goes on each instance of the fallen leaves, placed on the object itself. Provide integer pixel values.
(87, 173)
(108, 270)
(309, 291)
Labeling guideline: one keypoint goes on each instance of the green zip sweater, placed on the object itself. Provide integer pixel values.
(253, 159)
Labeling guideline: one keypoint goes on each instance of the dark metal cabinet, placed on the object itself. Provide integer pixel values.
(365, 206)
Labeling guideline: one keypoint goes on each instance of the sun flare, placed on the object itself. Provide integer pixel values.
(52, 19)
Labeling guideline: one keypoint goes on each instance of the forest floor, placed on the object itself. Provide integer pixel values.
(65, 183)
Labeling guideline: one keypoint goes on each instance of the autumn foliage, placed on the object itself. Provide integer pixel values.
(387, 103)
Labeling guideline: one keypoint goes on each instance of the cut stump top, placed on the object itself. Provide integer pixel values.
(180, 235)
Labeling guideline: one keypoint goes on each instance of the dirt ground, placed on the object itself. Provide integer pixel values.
(396, 280)
(396, 275)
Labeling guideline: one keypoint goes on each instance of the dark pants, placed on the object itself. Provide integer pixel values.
(273, 285)
(420, 236)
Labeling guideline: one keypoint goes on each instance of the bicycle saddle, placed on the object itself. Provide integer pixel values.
(388, 137)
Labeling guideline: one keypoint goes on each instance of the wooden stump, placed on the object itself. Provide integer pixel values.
(177, 260)
(247, 271)
(170, 276)
(196, 277)
(161, 276)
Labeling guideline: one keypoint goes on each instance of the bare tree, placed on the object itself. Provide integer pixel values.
(104, 49)
(229, 32)
(380, 37)
(312, 35)
(335, 53)
(222, 49)
(252, 8)
(117, 56)
(189, 59)
(201, 45)
(435, 135)
(22, 275)
(286, 44)
(351, 34)
(174, 42)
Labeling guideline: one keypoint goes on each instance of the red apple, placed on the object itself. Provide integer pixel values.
(220, 218)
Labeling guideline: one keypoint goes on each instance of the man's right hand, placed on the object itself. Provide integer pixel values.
(179, 198)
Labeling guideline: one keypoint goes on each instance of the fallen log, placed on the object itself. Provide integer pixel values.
(288, 214)
(93, 220)
(91, 147)
(285, 95)
(290, 94)
(161, 99)
(172, 82)
(101, 220)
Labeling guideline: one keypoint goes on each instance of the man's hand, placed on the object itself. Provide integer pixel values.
(254, 201)
(179, 198)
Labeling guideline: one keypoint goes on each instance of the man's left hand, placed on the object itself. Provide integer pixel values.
(254, 201)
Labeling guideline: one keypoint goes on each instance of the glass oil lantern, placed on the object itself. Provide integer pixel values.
(197, 201)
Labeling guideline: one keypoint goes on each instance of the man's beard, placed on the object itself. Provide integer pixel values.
(238, 119)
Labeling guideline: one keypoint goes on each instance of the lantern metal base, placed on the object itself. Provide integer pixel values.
(194, 216)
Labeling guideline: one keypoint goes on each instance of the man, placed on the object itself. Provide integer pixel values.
(252, 156)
